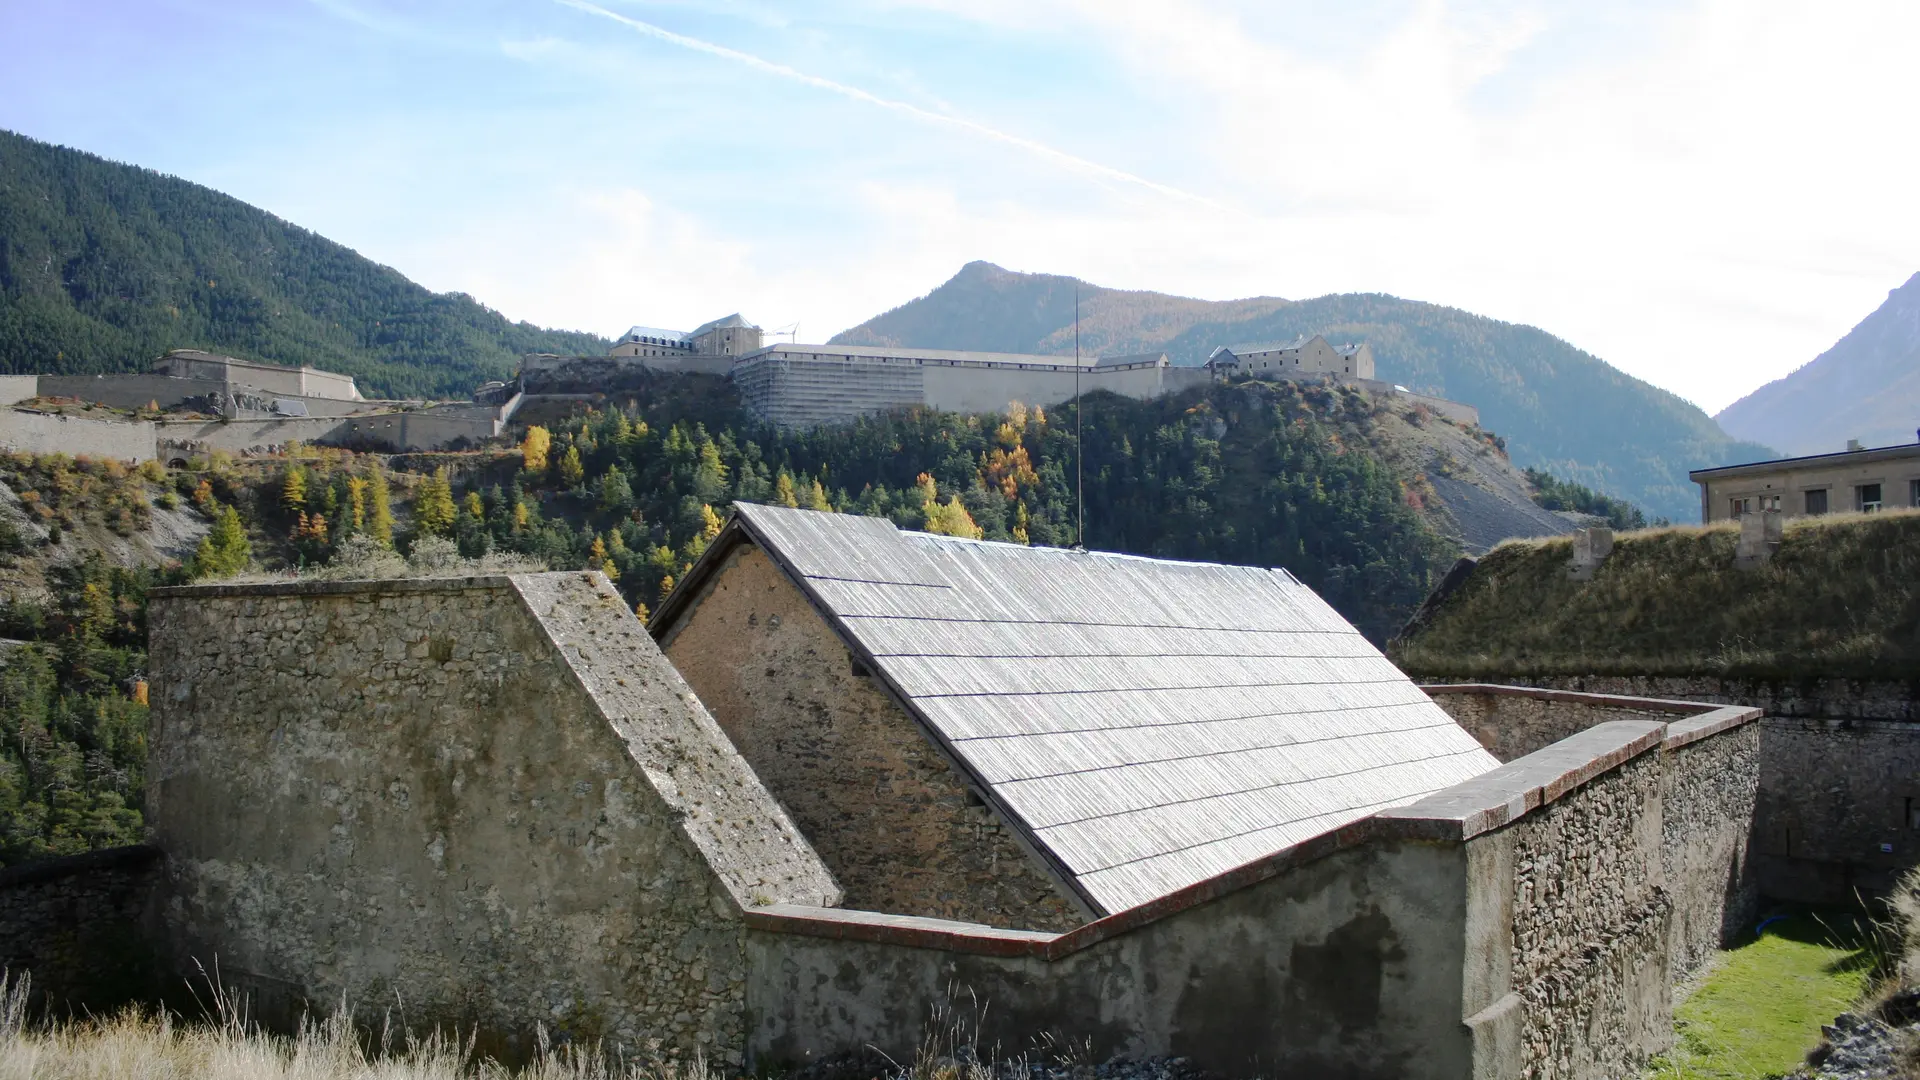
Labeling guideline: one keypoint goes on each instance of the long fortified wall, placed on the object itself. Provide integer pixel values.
(492, 799)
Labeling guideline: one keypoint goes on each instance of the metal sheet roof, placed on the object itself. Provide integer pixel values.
(1148, 724)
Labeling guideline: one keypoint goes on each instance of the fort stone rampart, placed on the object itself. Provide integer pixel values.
(493, 802)
(1837, 812)
(484, 801)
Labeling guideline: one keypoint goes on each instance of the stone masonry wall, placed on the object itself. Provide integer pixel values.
(900, 829)
(1706, 825)
(1837, 815)
(487, 802)
(1514, 725)
(1590, 924)
(75, 927)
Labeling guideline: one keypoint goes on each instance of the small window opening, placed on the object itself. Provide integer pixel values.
(1817, 501)
(856, 667)
(1866, 498)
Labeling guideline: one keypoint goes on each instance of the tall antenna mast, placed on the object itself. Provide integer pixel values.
(1079, 456)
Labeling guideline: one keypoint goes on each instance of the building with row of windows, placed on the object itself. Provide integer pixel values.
(1856, 479)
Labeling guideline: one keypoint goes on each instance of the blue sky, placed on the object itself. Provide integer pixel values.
(1705, 194)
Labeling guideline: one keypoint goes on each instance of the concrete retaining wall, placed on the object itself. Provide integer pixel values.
(51, 433)
(487, 802)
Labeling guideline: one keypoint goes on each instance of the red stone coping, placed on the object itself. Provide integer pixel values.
(1704, 718)
(1456, 814)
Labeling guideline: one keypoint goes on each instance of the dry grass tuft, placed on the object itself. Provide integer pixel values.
(144, 1045)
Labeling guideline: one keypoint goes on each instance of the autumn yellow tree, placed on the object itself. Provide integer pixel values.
(945, 519)
(379, 506)
(783, 492)
(357, 502)
(534, 448)
(817, 497)
(709, 522)
(293, 490)
(433, 509)
(476, 506)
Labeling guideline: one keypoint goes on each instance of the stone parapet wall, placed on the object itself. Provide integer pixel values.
(487, 802)
(77, 928)
(1519, 924)
(1708, 807)
(1836, 818)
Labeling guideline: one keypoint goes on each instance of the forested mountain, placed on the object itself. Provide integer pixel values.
(1866, 387)
(1560, 409)
(105, 266)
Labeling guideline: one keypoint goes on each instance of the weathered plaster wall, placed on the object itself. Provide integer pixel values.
(1835, 815)
(485, 801)
(887, 812)
(1344, 966)
(18, 388)
(76, 927)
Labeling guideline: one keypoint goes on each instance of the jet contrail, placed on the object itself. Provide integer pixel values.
(1078, 164)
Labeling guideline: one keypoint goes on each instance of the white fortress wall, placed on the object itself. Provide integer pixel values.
(50, 433)
(18, 388)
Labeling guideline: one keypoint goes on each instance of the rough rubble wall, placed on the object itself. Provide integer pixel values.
(403, 794)
(897, 825)
(75, 926)
(1838, 815)
(1839, 777)
(1512, 726)
(1706, 824)
(1590, 928)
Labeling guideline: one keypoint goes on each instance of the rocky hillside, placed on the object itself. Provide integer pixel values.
(1560, 409)
(1866, 387)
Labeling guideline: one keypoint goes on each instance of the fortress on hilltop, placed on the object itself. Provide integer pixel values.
(799, 385)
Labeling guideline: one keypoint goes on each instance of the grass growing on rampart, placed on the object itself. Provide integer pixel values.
(1841, 598)
(1759, 1012)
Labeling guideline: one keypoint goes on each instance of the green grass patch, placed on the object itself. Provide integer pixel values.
(1759, 1012)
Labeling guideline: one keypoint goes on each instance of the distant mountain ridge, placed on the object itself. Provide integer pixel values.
(104, 266)
(1560, 409)
(1866, 387)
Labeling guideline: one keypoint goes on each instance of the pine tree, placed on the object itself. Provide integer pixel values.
(433, 509)
(616, 494)
(572, 472)
(379, 506)
(225, 550)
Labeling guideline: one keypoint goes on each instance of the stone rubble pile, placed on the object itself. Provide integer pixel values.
(1868, 1047)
